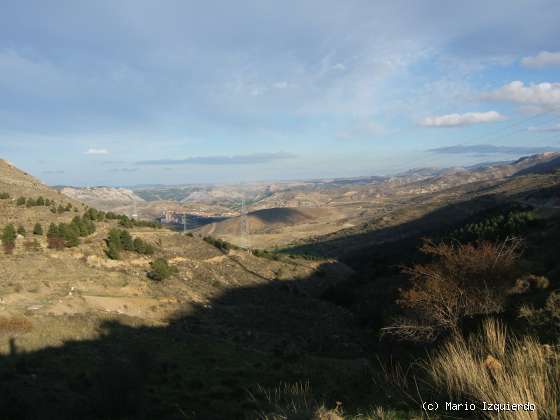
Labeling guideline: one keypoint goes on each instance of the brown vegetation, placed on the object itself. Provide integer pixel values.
(493, 367)
(463, 280)
(14, 325)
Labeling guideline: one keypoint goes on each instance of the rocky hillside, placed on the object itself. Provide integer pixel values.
(20, 192)
(104, 198)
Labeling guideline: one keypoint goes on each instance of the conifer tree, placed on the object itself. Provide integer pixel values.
(38, 229)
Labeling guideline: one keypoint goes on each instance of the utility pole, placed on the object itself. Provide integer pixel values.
(184, 223)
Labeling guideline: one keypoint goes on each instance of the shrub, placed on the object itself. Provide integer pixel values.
(30, 202)
(21, 201)
(83, 226)
(464, 280)
(4, 196)
(114, 245)
(9, 238)
(126, 240)
(70, 233)
(124, 221)
(21, 230)
(218, 243)
(121, 240)
(492, 367)
(38, 229)
(161, 270)
(54, 237)
(40, 201)
(143, 247)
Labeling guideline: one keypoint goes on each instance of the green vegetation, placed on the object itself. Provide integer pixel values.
(263, 253)
(9, 238)
(497, 227)
(123, 220)
(121, 240)
(161, 270)
(33, 202)
(68, 234)
(4, 196)
(127, 222)
(38, 229)
(220, 244)
(21, 230)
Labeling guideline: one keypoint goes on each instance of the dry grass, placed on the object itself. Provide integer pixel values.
(293, 402)
(493, 367)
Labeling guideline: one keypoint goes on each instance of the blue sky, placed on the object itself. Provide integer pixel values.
(133, 92)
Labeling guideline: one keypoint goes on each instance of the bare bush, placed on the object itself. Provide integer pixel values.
(463, 280)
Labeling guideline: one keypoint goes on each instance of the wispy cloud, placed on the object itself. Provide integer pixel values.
(550, 129)
(97, 152)
(456, 120)
(542, 60)
(489, 149)
(251, 159)
(126, 170)
(545, 95)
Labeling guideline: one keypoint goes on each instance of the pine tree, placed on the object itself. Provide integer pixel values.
(126, 240)
(114, 245)
(9, 238)
(38, 229)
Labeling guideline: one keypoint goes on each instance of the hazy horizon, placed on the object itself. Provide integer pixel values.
(125, 93)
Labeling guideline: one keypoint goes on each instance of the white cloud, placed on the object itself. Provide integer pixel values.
(455, 120)
(97, 152)
(542, 59)
(545, 95)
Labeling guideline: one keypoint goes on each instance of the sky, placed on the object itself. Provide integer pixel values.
(170, 92)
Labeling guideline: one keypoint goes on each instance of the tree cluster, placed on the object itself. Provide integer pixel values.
(120, 240)
(220, 244)
(497, 227)
(68, 234)
(34, 202)
(123, 220)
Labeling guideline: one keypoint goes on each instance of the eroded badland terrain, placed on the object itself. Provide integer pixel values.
(299, 327)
